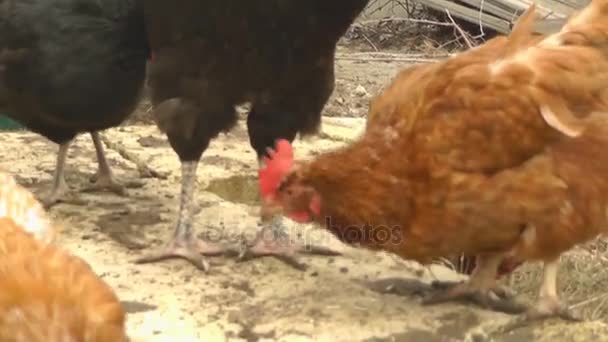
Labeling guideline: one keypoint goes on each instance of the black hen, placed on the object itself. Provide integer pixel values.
(72, 66)
(212, 55)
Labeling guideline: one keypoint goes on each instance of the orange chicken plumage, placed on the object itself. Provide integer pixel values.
(47, 294)
(22, 206)
(496, 152)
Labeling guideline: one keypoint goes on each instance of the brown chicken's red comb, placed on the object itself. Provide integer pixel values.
(277, 165)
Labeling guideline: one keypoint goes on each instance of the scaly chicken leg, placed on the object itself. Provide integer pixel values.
(480, 289)
(184, 244)
(274, 241)
(59, 188)
(548, 304)
(105, 180)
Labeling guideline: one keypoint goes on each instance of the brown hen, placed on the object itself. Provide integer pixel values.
(46, 294)
(496, 152)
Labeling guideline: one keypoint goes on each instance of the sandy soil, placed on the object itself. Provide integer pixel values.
(360, 296)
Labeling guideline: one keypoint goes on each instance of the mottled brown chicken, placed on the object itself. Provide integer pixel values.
(496, 152)
(466, 264)
(46, 294)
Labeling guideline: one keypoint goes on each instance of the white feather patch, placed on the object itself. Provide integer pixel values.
(552, 120)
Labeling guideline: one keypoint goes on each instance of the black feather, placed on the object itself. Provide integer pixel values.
(71, 66)
(215, 54)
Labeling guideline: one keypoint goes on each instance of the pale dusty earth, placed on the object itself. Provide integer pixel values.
(356, 297)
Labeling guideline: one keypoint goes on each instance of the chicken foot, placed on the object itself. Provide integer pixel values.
(548, 304)
(104, 177)
(184, 244)
(480, 289)
(104, 180)
(273, 241)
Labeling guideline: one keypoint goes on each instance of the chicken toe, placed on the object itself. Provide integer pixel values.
(499, 291)
(549, 308)
(489, 298)
(58, 191)
(273, 241)
(106, 182)
(188, 248)
(545, 308)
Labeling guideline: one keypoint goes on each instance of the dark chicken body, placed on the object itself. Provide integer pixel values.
(71, 66)
(210, 56)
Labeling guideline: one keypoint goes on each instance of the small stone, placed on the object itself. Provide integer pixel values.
(360, 91)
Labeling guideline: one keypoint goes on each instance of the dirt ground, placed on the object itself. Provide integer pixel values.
(356, 297)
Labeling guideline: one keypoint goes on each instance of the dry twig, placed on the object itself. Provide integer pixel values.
(142, 168)
(461, 31)
(409, 20)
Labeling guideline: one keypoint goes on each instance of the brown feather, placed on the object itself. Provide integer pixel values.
(472, 154)
(49, 295)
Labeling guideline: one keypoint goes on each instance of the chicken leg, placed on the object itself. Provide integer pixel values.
(549, 304)
(184, 244)
(59, 188)
(480, 289)
(105, 180)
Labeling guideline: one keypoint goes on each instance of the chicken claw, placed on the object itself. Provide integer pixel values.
(501, 292)
(273, 241)
(188, 248)
(549, 308)
(106, 182)
(545, 308)
(58, 191)
(495, 298)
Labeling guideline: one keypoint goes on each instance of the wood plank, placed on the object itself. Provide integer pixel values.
(557, 6)
(491, 8)
(500, 15)
(468, 14)
(549, 26)
(546, 9)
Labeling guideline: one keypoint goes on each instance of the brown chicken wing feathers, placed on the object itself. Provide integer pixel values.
(48, 295)
(483, 140)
